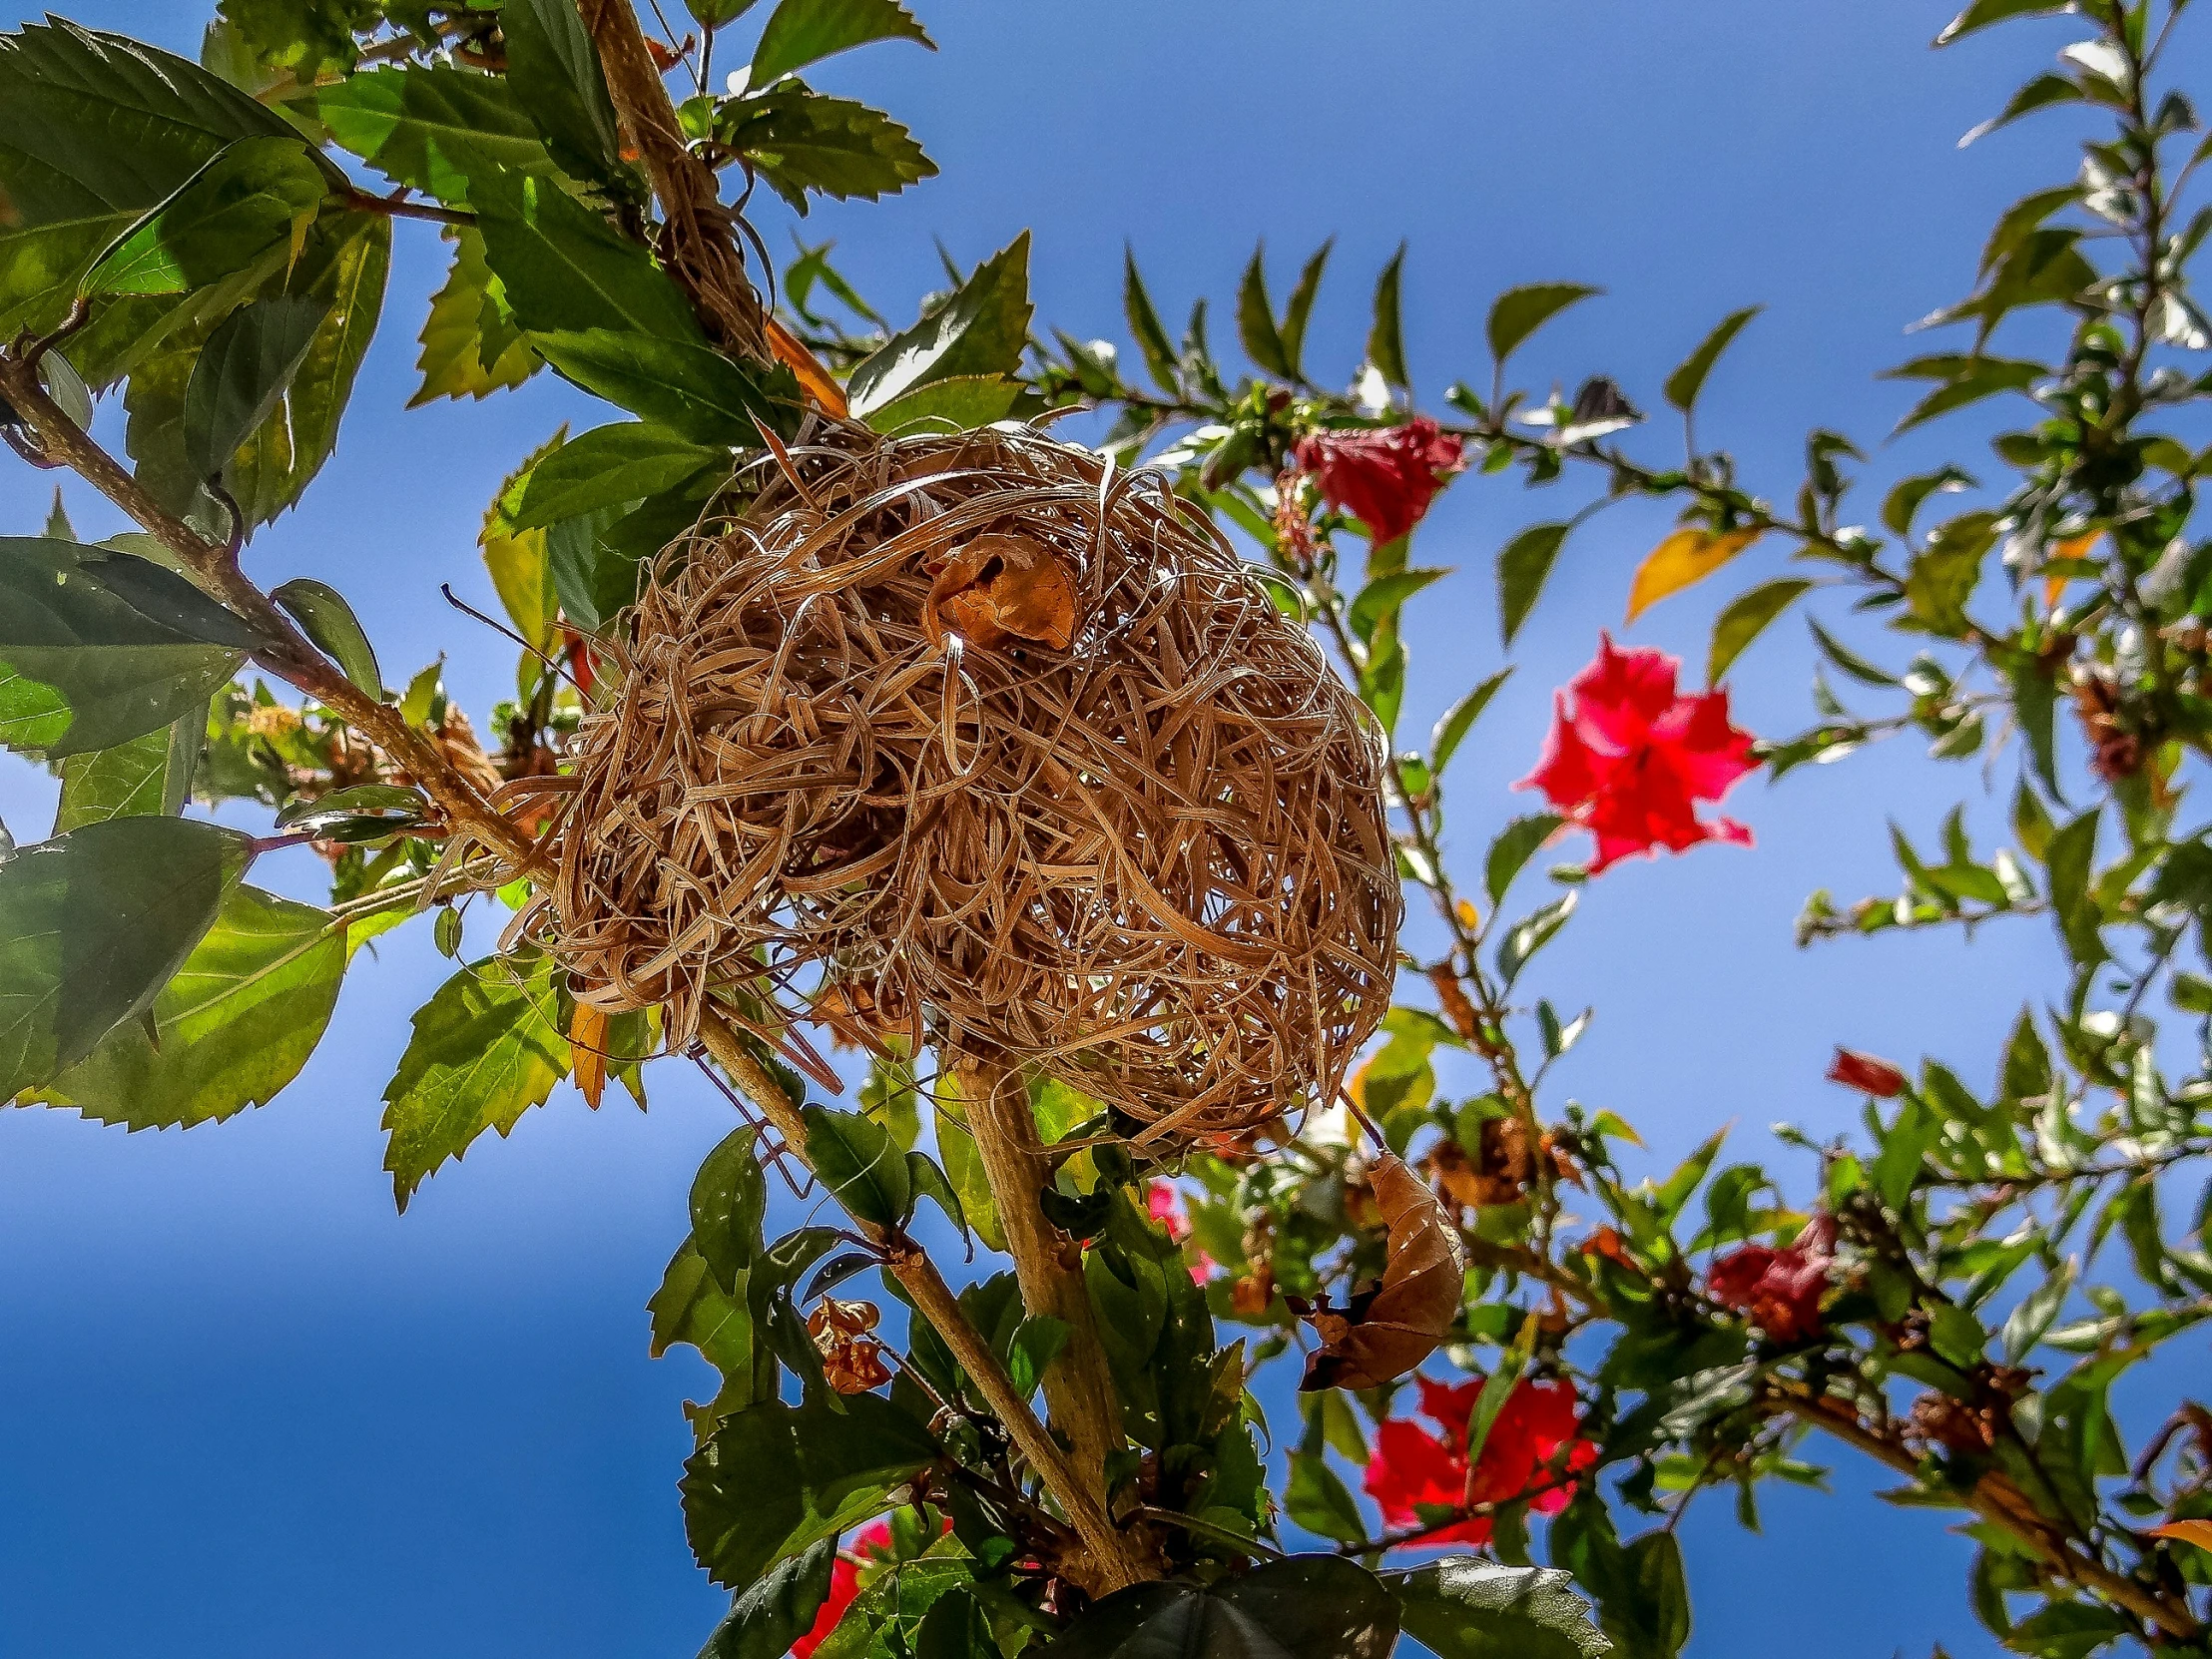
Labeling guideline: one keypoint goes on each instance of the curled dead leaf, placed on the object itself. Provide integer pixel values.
(999, 588)
(852, 1358)
(1391, 1328)
(587, 1046)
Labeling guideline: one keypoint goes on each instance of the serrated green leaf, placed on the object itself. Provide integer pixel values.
(1292, 1607)
(564, 269)
(799, 141)
(97, 647)
(1745, 616)
(1521, 569)
(557, 82)
(485, 1049)
(471, 345)
(701, 395)
(1518, 312)
(606, 466)
(1465, 1608)
(982, 330)
(149, 776)
(232, 1029)
(962, 404)
(774, 1480)
(257, 195)
(433, 128)
(801, 32)
(93, 925)
(776, 1609)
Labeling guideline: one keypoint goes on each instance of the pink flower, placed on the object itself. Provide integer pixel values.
(1386, 477)
(1629, 757)
(1161, 1203)
(1779, 1290)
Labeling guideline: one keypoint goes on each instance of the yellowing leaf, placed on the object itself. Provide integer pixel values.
(2198, 1532)
(587, 1041)
(1684, 558)
(2074, 547)
(1470, 917)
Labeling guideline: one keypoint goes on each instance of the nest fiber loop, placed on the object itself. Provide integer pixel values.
(973, 736)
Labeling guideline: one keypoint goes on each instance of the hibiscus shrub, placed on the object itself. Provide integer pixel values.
(1952, 1294)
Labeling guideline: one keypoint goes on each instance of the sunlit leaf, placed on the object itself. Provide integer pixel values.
(1685, 558)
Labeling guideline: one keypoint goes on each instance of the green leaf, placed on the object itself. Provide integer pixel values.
(1465, 1608)
(1299, 309)
(962, 404)
(1452, 730)
(1145, 326)
(858, 1162)
(689, 1308)
(713, 14)
(1982, 13)
(258, 194)
(307, 37)
(231, 1030)
(97, 647)
(1318, 1499)
(1943, 574)
(1847, 659)
(485, 1049)
(691, 389)
(801, 140)
(776, 1609)
(1386, 335)
(93, 923)
(2038, 94)
(556, 79)
(1294, 1607)
(607, 466)
(566, 269)
(1516, 845)
(1903, 504)
(242, 375)
(471, 345)
(1256, 321)
(435, 127)
(2036, 1312)
(1521, 569)
(516, 559)
(325, 618)
(774, 1480)
(93, 124)
(149, 776)
(729, 1201)
(1383, 597)
(801, 32)
(982, 330)
(1531, 934)
(343, 270)
(964, 1167)
(931, 1182)
(1966, 380)
(1746, 618)
(1684, 385)
(2071, 859)
(1518, 312)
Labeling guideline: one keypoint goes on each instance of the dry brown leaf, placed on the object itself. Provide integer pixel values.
(587, 1046)
(997, 588)
(1390, 1329)
(2073, 547)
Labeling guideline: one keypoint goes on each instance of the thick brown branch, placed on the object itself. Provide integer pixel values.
(699, 252)
(1114, 1560)
(289, 653)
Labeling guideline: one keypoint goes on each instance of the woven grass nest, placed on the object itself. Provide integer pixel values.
(975, 737)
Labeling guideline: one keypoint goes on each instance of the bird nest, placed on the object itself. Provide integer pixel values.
(976, 739)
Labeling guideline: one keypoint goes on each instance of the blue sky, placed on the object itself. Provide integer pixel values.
(253, 1413)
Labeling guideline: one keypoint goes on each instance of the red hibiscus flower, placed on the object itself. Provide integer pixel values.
(1386, 477)
(1413, 1468)
(1160, 1203)
(1780, 1290)
(1867, 1074)
(1629, 757)
(845, 1585)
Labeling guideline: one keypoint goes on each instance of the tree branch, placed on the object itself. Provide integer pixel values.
(1114, 1560)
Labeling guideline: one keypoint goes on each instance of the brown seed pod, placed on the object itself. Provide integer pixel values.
(1393, 1327)
(1007, 748)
